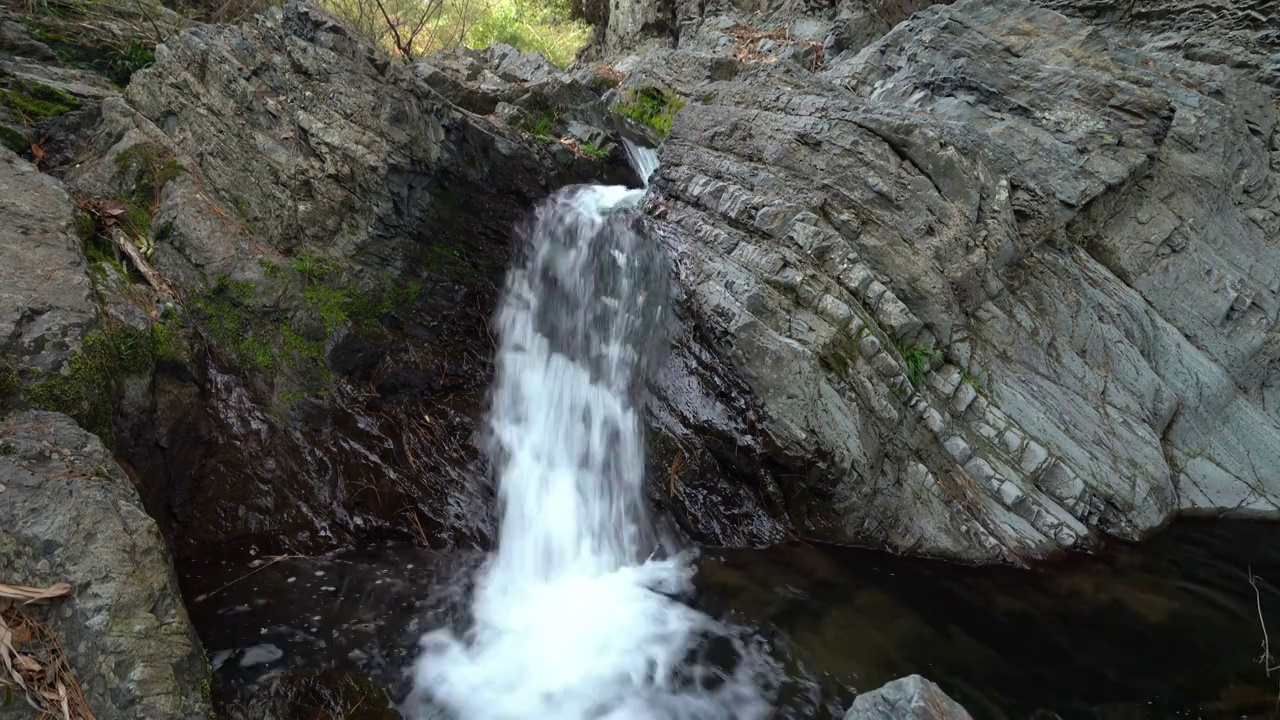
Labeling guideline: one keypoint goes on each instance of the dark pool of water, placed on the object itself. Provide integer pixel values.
(1166, 629)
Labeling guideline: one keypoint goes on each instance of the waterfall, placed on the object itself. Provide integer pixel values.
(644, 160)
(578, 615)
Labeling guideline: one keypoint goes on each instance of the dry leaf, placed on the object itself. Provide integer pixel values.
(26, 663)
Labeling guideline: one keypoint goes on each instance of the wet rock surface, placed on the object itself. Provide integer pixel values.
(302, 358)
(920, 257)
(981, 281)
(1149, 630)
(68, 514)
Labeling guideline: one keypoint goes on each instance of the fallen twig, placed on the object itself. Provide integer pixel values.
(31, 659)
(153, 278)
(1265, 658)
(268, 563)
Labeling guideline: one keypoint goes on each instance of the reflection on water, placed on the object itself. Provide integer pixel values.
(1165, 629)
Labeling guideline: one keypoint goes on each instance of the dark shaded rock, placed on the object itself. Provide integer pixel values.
(1239, 34)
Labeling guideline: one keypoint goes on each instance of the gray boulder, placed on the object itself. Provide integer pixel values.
(1240, 34)
(1000, 282)
(46, 297)
(908, 698)
(69, 514)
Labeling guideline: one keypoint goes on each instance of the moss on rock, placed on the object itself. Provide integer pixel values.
(34, 102)
(653, 107)
(8, 379)
(88, 387)
(14, 139)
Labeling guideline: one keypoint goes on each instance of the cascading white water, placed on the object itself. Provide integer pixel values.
(644, 160)
(576, 617)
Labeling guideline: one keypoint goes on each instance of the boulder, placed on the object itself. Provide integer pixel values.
(68, 514)
(909, 698)
(46, 298)
(1000, 282)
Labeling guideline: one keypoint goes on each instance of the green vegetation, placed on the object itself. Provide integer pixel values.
(75, 42)
(162, 340)
(221, 312)
(121, 62)
(88, 388)
(842, 353)
(146, 169)
(423, 27)
(540, 125)
(15, 140)
(340, 302)
(447, 260)
(918, 359)
(264, 339)
(653, 107)
(313, 268)
(593, 151)
(242, 211)
(270, 269)
(97, 246)
(150, 167)
(980, 382)
(8, 378)
(530, 25)
(34, 102)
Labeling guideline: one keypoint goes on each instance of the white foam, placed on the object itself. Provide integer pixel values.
(572, 619)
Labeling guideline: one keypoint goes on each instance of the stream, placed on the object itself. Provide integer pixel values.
(588, 610)
(1168, 628)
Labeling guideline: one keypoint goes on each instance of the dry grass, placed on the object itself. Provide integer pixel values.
(31, 660)
(749, 38)
(610, 73)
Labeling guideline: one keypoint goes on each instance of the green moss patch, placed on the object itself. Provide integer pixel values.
(144, 169)
(270, 338)
(222, 314)
(88, 388)
(447, 260)
(8, 379)
(541, 125)
(34, 102)
(653, 107)
(77, 48)
(15, 140)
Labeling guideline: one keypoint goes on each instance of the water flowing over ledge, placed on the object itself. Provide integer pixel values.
(578, 614)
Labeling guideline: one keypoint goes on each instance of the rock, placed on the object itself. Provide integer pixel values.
(69, 514)
(987, 208)
(46, 298)
(42, 101)
(328, 233)
(908, 698)
(1229, 33)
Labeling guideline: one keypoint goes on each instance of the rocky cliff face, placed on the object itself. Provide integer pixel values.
(983, 281)
(1001, 279)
